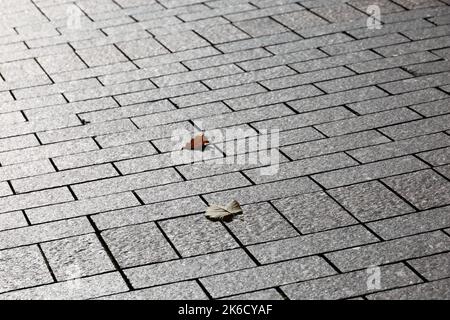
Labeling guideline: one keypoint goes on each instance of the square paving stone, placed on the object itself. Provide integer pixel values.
(77, 257)
(61, 63)
(314, 212)
(223, 33)
(22, 267)
(142, 48)
(99, 56)
(300, 19)
(370, 201)
(182, 41)
(195, 235)
(433, 267)
(259, 223)
(424, 189)
(139, 244)
(261, 27)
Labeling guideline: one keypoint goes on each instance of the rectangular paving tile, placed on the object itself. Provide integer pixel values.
(401, 147)
(189, 268)
(367, 122)
(261, 223)
(350, 284)
(303, 167)
(313, 212)
(137, 245)
(390, 251)
(81, 207)
(418, 127)
(436, 157)
(370, 201)
(12, 220)
(186, 290)
(311, 244)
(264, 192)
(148, 213)
(369, 171)
(76, 257)
(412, 223)
(424, 189)
(78, 289)
(334, 144)
(62, 178)
(125, 183)
(433, 267)
(196, 235)
(35, 199)
(436, 290)
(44, 232)
(266, 276)
(21, 268)
(193, 187)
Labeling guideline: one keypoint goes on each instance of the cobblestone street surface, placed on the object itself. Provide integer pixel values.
(98, 201)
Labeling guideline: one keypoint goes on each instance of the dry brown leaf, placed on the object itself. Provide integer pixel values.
(199, 142)
(226, 213)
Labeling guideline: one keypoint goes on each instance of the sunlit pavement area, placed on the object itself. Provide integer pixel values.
(341, 111)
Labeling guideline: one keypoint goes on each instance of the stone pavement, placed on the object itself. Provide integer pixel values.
(95, 202)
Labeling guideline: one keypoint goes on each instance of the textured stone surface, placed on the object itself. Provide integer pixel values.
(98, 201)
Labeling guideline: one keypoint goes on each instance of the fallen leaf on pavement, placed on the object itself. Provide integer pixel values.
(218, 212)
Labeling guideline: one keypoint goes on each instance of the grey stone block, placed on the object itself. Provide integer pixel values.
(417, 128)
(76, 257)
(22, 267)
(368, 172)
(397, 101)
(436, 157)
(260, 27)
(148, 213)
(350, 284)
(390, 251)
(98, 56)
(334, 144)
(104, 155)
(77, 289)
(81, 207)
(267, 294)
(44, 152)
(12, 220)
(44, 232)
(311, 244)
(183, 41)
(142, 48)
(125, 183)
(412, 223)
(260, 223)
(300, 19)
(62, 178)
(196, 235)
(189, 268)
(305, 119)
(138, 244)
(303, 167)
(264, 192)
(186, 290)
(401, 147)
(370, 201)
(313, 212)
(363, 80)
(424, 189)
(266, 276)
(34, 199)
(433, 267)
(193, 187)
(436, 290)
